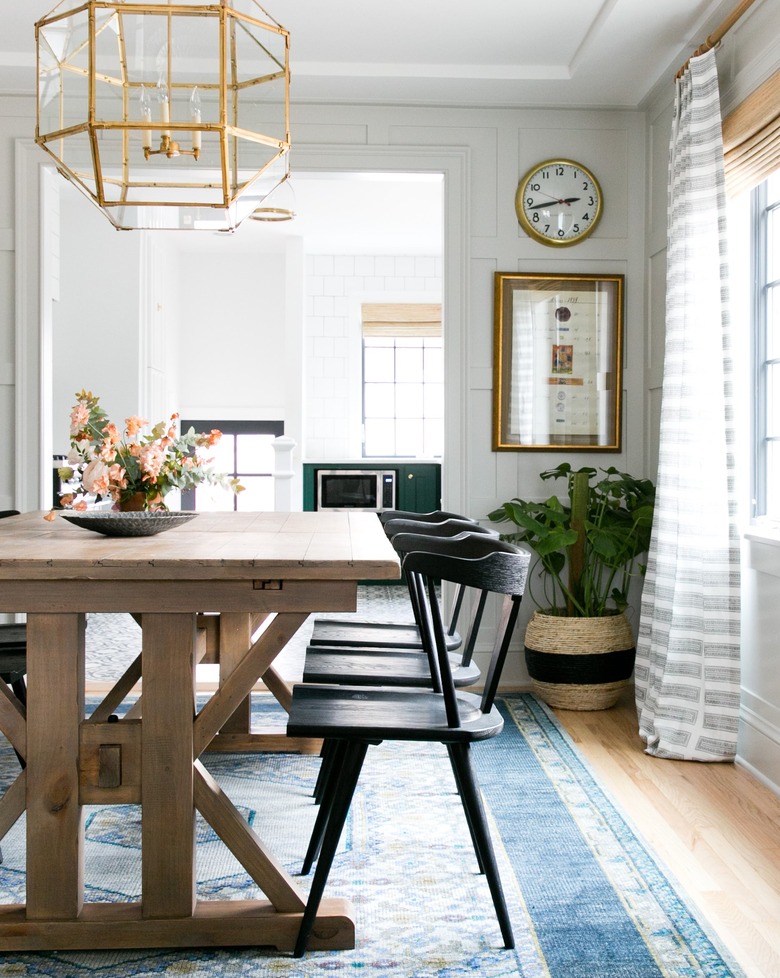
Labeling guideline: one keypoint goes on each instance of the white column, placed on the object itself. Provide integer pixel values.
(283, 474)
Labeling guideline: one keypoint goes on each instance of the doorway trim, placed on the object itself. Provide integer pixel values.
(33, 325)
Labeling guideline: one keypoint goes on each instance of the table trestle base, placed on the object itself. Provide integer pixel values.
(214, 923)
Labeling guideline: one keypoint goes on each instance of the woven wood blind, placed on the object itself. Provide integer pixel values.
(401, 319)
(751, 138)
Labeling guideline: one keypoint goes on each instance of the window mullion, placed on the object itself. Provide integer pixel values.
(759, 222)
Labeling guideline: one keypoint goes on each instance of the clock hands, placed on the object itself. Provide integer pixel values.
(553, 201)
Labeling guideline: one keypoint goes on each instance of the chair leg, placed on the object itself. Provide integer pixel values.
(472, 802)
(334, 759)
(326, 753)
(467, 812)
(19, 688)
(343, 791)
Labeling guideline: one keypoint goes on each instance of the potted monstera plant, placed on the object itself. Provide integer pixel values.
(579, 644)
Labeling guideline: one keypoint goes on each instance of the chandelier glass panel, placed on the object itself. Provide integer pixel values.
(166, 114)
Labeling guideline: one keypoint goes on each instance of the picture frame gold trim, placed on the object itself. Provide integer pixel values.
(557, 362)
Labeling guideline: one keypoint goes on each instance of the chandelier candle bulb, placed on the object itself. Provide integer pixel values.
(165, 109)
(146, 116)
(195, 117)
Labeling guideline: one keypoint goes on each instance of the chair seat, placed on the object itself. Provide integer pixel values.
(377, 714)
(13, 665)
(357, 632)
(378, 667)
(12, 636)
(13, 652)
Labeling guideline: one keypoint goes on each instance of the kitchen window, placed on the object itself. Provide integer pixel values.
(245, 452)
(766, 348)
(403, 380)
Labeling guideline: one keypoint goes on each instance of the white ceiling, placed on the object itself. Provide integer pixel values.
(563, 53)
(499, 52)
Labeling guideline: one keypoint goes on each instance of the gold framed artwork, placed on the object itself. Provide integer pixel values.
(557, 362)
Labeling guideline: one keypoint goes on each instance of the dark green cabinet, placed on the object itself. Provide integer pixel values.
(419, 487)
(418, 484)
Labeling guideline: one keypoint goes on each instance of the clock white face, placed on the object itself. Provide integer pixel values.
(558, 202)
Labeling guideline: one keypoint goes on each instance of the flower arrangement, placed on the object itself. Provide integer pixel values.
(136, 469)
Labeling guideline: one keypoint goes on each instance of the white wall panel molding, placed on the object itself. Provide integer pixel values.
(30, 402)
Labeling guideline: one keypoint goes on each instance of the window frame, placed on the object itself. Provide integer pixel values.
(394, 339)
(761, 210)
(264, 427)
(395, 323)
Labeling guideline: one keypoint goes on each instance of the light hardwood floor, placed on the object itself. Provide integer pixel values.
(714, 826)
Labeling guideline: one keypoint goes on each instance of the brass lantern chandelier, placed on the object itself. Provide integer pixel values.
(166, 114)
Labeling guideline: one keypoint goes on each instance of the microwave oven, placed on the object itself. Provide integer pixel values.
(368, 490)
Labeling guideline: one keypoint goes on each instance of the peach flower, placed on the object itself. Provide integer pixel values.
(134, 424)
(95, 477)
(112, 434)
(79, 416)
(151, 459)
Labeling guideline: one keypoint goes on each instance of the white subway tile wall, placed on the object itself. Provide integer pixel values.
(336, 285)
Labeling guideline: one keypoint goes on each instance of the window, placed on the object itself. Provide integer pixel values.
(403, 381)
(246, 452)
(766, 346)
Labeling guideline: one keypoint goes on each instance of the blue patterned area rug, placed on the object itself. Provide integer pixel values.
(587, 897)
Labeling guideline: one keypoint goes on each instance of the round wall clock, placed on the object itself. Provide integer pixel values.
(558, 202)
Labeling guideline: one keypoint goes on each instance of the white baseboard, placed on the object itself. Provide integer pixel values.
(758, 748)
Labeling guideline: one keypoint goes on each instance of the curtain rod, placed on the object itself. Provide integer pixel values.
(719, 33)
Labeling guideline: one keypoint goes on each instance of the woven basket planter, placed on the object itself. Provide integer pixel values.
(579, 663)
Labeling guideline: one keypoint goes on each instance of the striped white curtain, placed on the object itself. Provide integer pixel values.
(687, 667)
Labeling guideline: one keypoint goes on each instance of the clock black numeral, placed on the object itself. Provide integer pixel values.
(591, 201)
(575, 229)
(585, 185)
(547, 229)
(561, 232)
(536, 186)
(559, 171)
(535, 218)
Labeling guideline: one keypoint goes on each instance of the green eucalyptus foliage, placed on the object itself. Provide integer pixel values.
(587, 546)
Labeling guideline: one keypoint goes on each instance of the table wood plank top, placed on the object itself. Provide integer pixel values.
(213, 546)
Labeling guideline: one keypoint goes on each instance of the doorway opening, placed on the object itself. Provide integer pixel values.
(443, 169)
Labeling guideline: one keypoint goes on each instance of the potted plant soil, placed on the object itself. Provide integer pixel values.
(579, 645)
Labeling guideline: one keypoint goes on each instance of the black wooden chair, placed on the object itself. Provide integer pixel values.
(437, 516)
(406, 665)
(13, 656)
(409, 663)
(357, 632)
(356, 717)
(13, 647)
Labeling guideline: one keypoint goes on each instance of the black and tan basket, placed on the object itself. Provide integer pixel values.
(579, 663)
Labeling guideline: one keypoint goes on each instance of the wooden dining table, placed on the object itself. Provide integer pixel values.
(261, 575)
